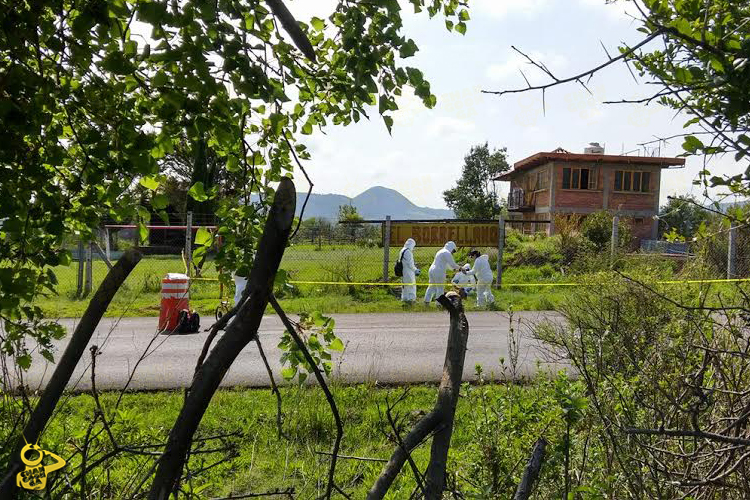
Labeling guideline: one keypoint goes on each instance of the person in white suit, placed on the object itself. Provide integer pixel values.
(463, 280)
(410, 271)
(483, 273)
(443, 261)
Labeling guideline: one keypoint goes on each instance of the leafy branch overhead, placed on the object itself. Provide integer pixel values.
(97, 96)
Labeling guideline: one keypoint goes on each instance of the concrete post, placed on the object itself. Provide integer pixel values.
(732, 253)
(500, 247)
(81, 264)
(189, 243)
(89, 285)
(386, 247)
(615, 235)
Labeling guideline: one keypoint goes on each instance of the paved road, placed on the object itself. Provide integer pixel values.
(389, 348)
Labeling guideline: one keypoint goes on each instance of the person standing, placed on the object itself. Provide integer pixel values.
(483, 272)
(443, 261)
(409, 272)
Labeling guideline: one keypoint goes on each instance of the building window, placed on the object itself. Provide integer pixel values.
(542, 179)
(635, 181)
(579, 178)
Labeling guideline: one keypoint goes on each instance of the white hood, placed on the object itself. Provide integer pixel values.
(410, 244)
(450, 246)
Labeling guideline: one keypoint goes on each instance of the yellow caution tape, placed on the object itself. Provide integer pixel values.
(473, 285)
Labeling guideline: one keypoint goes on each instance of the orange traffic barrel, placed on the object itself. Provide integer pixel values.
(174, 298)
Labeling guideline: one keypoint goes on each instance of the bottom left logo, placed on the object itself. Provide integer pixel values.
(34, 477)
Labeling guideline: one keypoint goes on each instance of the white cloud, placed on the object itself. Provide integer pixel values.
(498, 72)
(503, 8)
(621, 10)
(446, 127)
(303, 10)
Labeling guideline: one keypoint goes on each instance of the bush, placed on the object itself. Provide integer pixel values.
(597, 228)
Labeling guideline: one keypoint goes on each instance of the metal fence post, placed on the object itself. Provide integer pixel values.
(615, 235)
(386, 247)
(89, 270)
(81, 264)
(500, 246)
(732, 253)
(189, 243)
(107, 244)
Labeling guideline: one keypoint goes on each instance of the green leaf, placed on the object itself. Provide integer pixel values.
(160, 79)
(461, 27)
(336, 345)
(197, 192)
(692, 144)
(149, 183)
(408, 49)
(289, 372)
(159, 201)
(142, 233)
(317, 23)
(203, 237)
(24, 361)
(388, 123)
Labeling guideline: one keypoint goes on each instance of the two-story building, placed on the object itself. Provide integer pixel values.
(546, 184)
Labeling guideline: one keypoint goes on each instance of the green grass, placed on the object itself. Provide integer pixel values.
(140, 294)
(528, 261)
(265, 461)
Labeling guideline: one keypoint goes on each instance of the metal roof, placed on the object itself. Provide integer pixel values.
(542, 158)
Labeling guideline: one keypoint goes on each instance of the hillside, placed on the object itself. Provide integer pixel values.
(374, 203)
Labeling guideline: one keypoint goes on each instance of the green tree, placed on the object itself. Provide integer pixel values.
(88, 109)
(350, 217)
(475, 194)
(683, 215)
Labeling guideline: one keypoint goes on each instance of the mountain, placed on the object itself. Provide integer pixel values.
(375, 203)
(723, 207)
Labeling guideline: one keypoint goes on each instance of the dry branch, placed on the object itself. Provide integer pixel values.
(326, 391)
(242, 330)
(440, 419)
(68, 361)
(530, 475)
(292, 28)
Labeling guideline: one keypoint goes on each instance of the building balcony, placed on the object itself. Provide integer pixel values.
(517, 201)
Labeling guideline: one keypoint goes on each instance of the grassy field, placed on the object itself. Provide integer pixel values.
(140, 295)
(529, 264)
(265, 461)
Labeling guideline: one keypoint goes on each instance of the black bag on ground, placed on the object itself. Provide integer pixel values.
(190, 322)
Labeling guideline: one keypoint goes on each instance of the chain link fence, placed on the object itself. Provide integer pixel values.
(344, 259)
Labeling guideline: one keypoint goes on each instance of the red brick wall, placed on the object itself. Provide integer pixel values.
(542, 198)
(635, 201)
(576, 198)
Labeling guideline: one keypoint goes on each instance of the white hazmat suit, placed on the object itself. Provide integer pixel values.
(464, 280)
(409, 279)
(240, 282)
(443, 261)
(483, 272)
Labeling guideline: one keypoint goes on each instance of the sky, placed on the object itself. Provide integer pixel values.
(424, 154)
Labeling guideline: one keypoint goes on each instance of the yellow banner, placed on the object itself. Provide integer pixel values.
(437, 234)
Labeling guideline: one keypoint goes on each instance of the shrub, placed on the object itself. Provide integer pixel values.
(597, 228)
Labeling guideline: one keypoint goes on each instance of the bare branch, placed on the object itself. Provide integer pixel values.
(577, 78)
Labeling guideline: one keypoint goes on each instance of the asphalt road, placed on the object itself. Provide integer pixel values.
(388, 348)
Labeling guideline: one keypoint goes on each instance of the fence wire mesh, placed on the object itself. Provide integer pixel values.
(330, 258)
